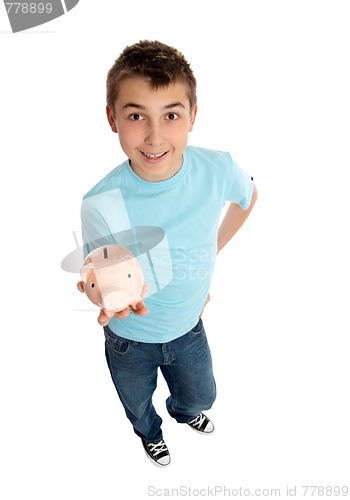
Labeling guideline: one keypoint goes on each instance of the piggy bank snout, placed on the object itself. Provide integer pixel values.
(115, 298)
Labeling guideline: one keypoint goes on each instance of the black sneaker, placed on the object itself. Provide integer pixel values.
(201, 424)
(157, 452)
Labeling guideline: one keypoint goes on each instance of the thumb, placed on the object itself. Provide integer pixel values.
(104, 317)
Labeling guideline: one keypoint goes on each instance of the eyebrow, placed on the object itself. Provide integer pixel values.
(139, 106)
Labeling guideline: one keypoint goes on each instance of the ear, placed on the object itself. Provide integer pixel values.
(81, 286)
(111, 120)
(193, 117)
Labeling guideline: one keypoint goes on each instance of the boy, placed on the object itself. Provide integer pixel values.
(175, 193)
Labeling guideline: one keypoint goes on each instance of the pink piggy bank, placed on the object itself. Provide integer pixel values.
(112, 278)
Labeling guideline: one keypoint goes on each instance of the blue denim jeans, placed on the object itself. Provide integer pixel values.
(186, 365)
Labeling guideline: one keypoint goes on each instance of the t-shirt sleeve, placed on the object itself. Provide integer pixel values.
(239, 187)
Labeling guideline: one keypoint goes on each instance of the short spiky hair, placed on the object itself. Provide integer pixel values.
(160, 64)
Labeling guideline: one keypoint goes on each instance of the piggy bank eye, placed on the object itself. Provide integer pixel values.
(92, 285)
(129, 275)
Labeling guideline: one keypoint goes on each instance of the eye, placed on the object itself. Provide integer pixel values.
(129, 275)
(92, 285)
(136, 117)
(172, 116)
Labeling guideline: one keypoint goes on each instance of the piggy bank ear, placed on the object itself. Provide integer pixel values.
(85, 271)
(81, 286)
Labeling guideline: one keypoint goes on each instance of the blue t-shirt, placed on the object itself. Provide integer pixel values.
(173, 226)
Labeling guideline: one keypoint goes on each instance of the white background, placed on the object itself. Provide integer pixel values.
(273, 89)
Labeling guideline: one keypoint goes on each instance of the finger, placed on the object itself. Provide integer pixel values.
(103, 319)
(139, 305)
(141, 312)
(140, 309)
(122, 314)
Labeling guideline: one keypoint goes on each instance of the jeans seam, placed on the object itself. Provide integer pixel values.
(174, 396)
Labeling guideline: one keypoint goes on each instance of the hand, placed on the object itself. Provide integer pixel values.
(206, 302)
(139, 309)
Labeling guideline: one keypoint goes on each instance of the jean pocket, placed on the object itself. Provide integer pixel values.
(116, 343)
(198, 328)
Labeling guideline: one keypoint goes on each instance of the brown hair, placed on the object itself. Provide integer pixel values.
(160, 64)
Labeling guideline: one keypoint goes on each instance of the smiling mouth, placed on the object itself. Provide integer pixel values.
(153, 157)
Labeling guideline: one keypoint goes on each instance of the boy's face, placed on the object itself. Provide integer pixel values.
(153, 126)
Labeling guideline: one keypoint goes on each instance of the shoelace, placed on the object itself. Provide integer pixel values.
(157, 448)
(198, 421)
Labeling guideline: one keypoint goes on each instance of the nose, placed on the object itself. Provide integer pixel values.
(154, 135)
(115, 299)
